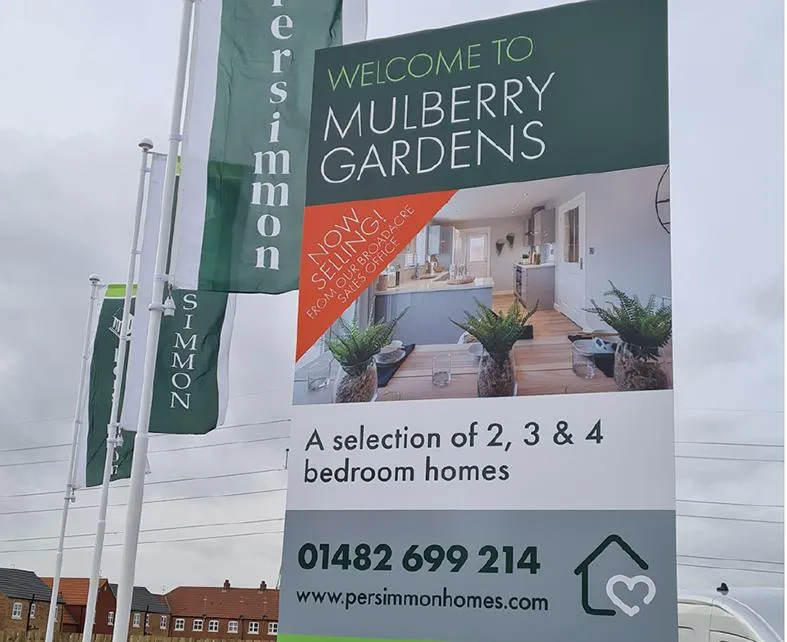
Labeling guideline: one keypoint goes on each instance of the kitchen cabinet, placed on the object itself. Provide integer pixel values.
(433, 239)
(440, 242)
(544, 226)
(528, 231)
(420, 246)
(535, 283)
(429, 311)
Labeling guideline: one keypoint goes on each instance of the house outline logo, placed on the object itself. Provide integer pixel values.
(583, 570)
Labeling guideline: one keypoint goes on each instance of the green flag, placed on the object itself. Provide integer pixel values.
(189, 393)
(190, 388)
(101, 381)
(238, 227)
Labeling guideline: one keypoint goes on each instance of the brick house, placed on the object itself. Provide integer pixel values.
(24, 601)
(74, 592)
(224, 612)
(149, 612)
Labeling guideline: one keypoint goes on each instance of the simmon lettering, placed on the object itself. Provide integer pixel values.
(270, 194)
(183, 355)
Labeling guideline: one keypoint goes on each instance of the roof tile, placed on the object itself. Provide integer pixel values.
(232, 603)
(144, 601)
(25, 585)
(74, 590)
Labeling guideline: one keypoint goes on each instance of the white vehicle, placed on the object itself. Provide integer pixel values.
(740, 615)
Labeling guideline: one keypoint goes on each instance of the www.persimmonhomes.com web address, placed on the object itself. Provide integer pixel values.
(445, 599)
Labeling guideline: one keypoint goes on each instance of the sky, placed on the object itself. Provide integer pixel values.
(88, 79)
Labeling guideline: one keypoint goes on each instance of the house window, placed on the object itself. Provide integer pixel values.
(163, 623)
(137, 620)
(476, 248)
(196, 625)
(16, 611)
(180, 624)
(232, 627)
(254, 628)
(33, 611)
(213, 626)
(111, 618)
(273, 628)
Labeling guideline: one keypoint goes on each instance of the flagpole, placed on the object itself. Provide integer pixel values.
(155, 309)
(113, 438)
(70, 483)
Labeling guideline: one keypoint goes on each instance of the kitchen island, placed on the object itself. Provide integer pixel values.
(535, 284)
(431, 303)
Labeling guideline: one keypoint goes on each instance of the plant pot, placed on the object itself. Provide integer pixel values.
(356, 387)
(635, 371)
(496, 377)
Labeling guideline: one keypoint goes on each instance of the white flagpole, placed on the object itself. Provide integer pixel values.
(155, 309)
(113, 438)
(69, 495)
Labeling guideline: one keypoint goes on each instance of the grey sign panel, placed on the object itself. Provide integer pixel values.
(464, 576)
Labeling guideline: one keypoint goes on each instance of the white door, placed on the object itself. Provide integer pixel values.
(475, 243)
(570, 260)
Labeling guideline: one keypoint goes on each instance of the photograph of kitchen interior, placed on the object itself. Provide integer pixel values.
(556, 286)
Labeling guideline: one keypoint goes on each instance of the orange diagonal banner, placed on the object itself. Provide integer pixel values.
(346, 246)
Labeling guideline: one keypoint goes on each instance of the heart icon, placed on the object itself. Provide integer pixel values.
(630, 583)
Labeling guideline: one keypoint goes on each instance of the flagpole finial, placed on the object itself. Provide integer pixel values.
(94, 278)
(146, 144)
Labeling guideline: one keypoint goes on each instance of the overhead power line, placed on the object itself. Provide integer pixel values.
(743, 444)
(275, 490)
(729, 559)
(154, 541)
(33, 463)
(236, 442)
(147, 502)
(71, 417)
(147, 530)
(711, 503)
(153, 483)
(29, 448)
(166, 450)
(733, 519)
(747, 459)
(45, 493)
(279, 531)
(732, 568)
(252, 441)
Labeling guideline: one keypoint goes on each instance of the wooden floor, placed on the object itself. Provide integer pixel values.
(546, 323)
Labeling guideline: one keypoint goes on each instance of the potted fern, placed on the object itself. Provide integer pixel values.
(644, 330)
(354, 351)
(497, 333)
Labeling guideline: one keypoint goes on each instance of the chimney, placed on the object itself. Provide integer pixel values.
(226, 586)
(263, 586)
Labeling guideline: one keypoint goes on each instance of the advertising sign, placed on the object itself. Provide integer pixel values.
(459, 522)
(483, 415)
